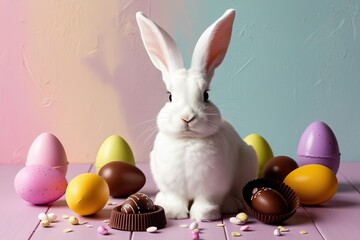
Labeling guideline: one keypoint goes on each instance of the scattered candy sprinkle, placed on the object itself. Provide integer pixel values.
(194, 225)
(184, 226)
(235, 220)
(42, 216)
(65, 216)
(245, 228)
(283, 229)
(45, 223)
(303, 232)
(220, 225)
(243, 217)
(105, 221)
(52, 217)
(111, 203)
(82, 222)
(67, 230)
(151, 229)
(235, 234)
(102, 230)
(277, 232)
(89, 226)
(73, 220)
(195, 236)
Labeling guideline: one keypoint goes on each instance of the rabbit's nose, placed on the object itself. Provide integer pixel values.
(188, 118)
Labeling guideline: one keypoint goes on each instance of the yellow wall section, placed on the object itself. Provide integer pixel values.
(72, 54)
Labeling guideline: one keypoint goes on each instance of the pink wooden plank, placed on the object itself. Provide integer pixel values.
(300, 221)
(18, 219)
(208, 230)
(339, 218)
(350, 171)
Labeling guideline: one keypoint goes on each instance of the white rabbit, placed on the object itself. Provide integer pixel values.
(199, 162)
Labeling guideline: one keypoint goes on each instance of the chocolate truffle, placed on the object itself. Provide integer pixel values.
(269, 201)
(279, 167)
(138, 203)
(137, 222)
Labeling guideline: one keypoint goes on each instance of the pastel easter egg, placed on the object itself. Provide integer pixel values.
(87, 194)
(38, 184)
(318, 145)
(313, 183)
(114, 148)
(262, 149)
(47, 150)
(123, 178)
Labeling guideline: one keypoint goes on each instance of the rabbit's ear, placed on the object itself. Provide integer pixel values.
(211, 48)
(160, 46)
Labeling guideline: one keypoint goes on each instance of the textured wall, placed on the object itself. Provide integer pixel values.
(78, 69)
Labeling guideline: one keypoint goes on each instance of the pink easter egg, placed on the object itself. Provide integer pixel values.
(47, 150)
(38, 184)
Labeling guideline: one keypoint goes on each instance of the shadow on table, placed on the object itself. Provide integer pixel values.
(346, 187)
(102, 214)
(299, 218)
(338, 202)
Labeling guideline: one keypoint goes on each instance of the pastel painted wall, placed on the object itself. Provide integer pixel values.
(78, 69)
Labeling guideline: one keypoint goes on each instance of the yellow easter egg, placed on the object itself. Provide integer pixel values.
(262, 149)
(114, 148)
(313, 183)
(87, 193)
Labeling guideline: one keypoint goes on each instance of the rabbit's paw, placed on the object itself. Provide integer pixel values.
(176, 212)
(175, 207)
(202, 211)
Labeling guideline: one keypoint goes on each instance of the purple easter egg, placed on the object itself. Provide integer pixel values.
(318, 145)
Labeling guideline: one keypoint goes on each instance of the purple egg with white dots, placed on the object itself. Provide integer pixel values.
(318, 145)
(38, 184)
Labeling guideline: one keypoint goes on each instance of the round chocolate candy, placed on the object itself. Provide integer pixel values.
(123, 178)
(138, 203)
(279, 167)
(268, 200)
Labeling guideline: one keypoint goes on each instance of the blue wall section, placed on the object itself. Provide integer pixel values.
(289, 63)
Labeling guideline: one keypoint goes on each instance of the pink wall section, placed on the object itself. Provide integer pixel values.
(78, 70)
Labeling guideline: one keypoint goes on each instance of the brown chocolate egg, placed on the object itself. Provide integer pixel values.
(279, 167)
(138, 203)
(123, 178)
(269, 201)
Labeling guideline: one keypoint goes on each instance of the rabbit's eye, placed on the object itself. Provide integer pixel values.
(170, 97)
(206, 96)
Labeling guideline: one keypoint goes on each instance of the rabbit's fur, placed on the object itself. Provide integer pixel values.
(199, 162)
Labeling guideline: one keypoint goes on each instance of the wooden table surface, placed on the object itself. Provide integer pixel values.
(338, 219)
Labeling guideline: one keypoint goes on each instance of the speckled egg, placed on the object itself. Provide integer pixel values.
(38, 184)
(262, 149)
(114, 148)
(318, 145)
(47, 150)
